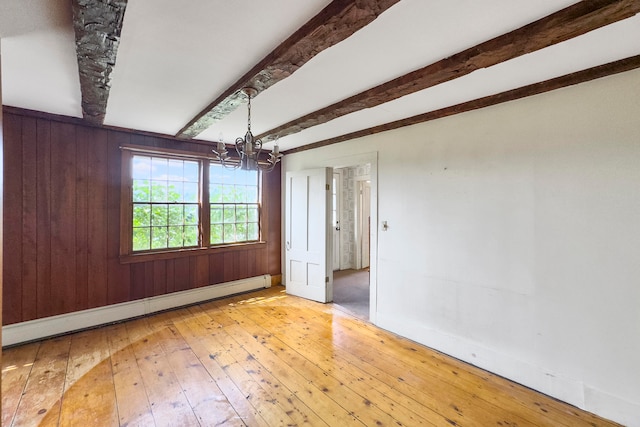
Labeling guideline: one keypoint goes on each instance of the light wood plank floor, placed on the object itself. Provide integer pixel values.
(259, 359)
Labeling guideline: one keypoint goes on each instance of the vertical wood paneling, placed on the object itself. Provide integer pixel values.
(192, 273)
(148, 279)
(12, 230)
(81, 217)
(251, 263)
(118, 276)
(216, 268)
(63, 207)
(240, 266)
(98, 224)
(228, 268)
(159, 277)
(62, 224)
(43, 208)
(137, 281)
(29, 219)
(181, 276)
(171, 275)
(202, 271)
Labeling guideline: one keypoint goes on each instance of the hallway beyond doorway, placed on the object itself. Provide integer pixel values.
(351, 291)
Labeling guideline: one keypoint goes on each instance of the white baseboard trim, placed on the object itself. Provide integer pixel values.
(570, 390)
(55, 325)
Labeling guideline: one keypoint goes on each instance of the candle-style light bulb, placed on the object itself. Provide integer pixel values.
(220, 145)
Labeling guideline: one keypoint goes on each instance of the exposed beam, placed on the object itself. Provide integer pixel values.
(578, 77)
(563, 25)
(97, 25)
(336, 22)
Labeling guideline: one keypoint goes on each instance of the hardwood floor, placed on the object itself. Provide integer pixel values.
(259, 359)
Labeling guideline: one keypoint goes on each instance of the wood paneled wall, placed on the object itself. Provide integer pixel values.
(62, 223)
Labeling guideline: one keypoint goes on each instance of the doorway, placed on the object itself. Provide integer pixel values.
(351, 276)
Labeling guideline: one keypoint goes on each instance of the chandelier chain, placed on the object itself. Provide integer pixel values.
(249, 113)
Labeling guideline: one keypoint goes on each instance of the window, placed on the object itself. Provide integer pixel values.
(165, 202)
(233, 196)
(165, 206)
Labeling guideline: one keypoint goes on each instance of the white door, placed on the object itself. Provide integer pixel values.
(308, 234)
(335, 214)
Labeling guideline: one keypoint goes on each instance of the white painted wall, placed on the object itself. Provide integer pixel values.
(514, 239)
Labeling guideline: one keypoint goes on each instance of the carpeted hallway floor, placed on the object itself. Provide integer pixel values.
(351, 291)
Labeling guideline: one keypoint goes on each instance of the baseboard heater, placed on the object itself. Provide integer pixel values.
(56, 325)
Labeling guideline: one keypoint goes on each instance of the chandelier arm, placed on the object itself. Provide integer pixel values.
(232, 166)
(266, 168)
(240, 145)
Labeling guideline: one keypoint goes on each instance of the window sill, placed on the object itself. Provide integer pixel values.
(182, 253)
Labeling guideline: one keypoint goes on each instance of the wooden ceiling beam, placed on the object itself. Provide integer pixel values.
(563, 25)
(336, 22)
(97, 25)
(578, 77)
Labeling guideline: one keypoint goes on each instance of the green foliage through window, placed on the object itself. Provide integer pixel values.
(233, 201)
(166, 203)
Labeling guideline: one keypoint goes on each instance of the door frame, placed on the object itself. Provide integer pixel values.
(360, 226)
(337, 244)
(342, 162)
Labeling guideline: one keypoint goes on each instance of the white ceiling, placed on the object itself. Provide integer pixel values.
(177, 57)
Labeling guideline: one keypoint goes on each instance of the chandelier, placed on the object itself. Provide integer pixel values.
(248, 148)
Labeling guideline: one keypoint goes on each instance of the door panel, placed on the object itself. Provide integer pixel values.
(308, 234)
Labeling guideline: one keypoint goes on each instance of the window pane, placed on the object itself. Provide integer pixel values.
(158, 191)
(141, 190)
(159, 215)
(229, 233)
(191, 192)
(216, 234)
(240, 195)
(159, 168)
(241, 232)
(191, 215)
(252, 194)
(141, 239)
(229, 213)
(227, 193)
(241, 213)
(176, 214)
(158, 237)
(191, 235)
(141, 167)
(252, 213)
(216, 214)
(251, 178)
(252, 231)
(242, 176)
(215, 194)
(175, 171)
(175, 191)
(191, 171)
(175, 236)
(141, 215)
(215, 174)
